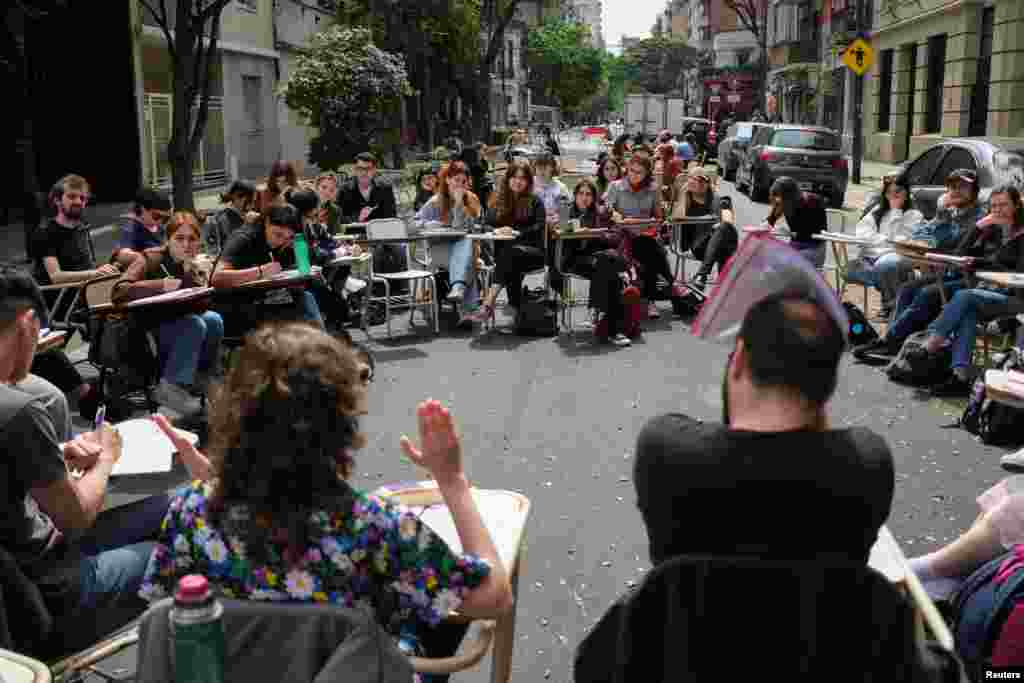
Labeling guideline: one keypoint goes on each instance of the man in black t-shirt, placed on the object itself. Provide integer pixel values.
(751, 485)
(83, 559)
(258, 251)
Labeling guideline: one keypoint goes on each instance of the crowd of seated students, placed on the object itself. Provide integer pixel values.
(986, 240)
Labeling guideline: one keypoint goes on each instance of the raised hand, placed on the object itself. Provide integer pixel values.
(197, 464)
(440, 450)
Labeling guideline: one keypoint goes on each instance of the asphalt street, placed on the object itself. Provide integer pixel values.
(557, 419)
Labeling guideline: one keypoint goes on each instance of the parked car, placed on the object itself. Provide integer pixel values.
(811, 155)
(732, 149)
(996, 161)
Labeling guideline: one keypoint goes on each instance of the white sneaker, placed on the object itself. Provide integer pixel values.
(457, 293)
(1013, 462)
(621, 340)
(177, 398)
(353, 285)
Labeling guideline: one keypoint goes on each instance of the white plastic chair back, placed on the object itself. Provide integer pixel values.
(386, 228)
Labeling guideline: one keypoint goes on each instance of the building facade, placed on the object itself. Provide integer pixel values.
(943, 68)
(590, 13)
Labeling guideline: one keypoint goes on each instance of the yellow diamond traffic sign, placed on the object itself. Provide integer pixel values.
(859, 57)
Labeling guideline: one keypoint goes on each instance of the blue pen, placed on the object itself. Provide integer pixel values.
(101, 416)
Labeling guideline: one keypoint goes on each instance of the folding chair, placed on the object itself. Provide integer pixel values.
(273, 641)
(398, 230)
(837, 224)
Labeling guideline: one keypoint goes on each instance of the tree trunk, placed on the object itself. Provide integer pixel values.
(179, 151)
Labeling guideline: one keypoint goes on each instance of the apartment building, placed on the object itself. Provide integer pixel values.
(590, 13)
(944, 68)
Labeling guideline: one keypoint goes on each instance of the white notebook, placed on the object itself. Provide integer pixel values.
(145, 449)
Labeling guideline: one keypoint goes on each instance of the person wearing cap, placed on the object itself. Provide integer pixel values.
(238, 202)
(954, 230)
(804, 213)
(258, 252)
(143, 228)
(959, 318)
(189, 345)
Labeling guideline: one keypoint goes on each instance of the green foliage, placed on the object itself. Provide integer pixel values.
(350, 89)
(656, 65)
(563, 63)
(615, 68)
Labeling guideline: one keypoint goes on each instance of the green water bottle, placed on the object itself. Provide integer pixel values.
(198, 633)
(301, 253)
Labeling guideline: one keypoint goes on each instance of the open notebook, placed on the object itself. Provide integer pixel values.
(145, 449)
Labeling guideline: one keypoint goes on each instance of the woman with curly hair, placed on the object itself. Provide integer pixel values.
(281, 181)
(272, 515)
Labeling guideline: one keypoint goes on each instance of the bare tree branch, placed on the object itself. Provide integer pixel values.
(213, 10)
(164, 23)
(199, 126)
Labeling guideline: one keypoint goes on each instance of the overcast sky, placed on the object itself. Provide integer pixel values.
(629, 17)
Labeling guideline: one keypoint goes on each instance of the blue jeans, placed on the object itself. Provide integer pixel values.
(918, 303)
(885, 274)
(189, 343)
(961, 314)
(309, 311)
(460, 269)
(117, 550)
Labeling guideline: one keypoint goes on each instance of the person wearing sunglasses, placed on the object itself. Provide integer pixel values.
(143, 228)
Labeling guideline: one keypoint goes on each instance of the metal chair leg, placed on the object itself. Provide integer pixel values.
(387, 305)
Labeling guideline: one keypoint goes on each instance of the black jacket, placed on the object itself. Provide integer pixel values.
(703, 618)
(351, 201)
(530, 223)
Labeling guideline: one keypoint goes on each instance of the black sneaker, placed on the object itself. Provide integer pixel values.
(952, 387)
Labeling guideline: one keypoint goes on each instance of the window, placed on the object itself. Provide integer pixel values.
(958, 157)
(252, 102)
(805, 139)
(920, 172)
(885, 89)
(247, 5)
(936, 74)
(979, 96)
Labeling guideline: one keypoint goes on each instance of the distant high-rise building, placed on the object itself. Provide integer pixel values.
(590, 12)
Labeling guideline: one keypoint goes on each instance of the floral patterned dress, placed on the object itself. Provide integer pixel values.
(376, 554)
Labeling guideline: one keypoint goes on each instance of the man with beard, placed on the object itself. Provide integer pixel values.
(63, 246)
(64, 255)
(745, 487)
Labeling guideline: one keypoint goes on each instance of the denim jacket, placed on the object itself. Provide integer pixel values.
(945, 231)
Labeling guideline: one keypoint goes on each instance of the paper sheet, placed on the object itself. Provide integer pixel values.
(501, 517)
(145, 449)
(169, 296)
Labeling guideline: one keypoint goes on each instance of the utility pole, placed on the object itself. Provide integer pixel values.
(858, 97)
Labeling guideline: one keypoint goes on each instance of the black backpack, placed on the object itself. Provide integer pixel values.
(538, 315)
(920, 371)
(996, 423)
(861, 331)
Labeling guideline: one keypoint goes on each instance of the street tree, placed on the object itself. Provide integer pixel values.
(657, 64)
(564, 66)
(192, 31)
(753, 16)
(349, 89)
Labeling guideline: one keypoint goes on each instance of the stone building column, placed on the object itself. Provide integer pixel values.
(1006, 93)
(961, 73)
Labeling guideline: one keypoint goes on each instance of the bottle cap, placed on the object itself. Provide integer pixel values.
(192, 590)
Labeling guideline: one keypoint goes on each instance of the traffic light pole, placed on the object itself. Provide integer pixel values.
(858, 102)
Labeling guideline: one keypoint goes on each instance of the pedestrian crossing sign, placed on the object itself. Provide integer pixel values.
(859, 57)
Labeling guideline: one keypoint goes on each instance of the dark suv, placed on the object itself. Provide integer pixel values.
(811, 155)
